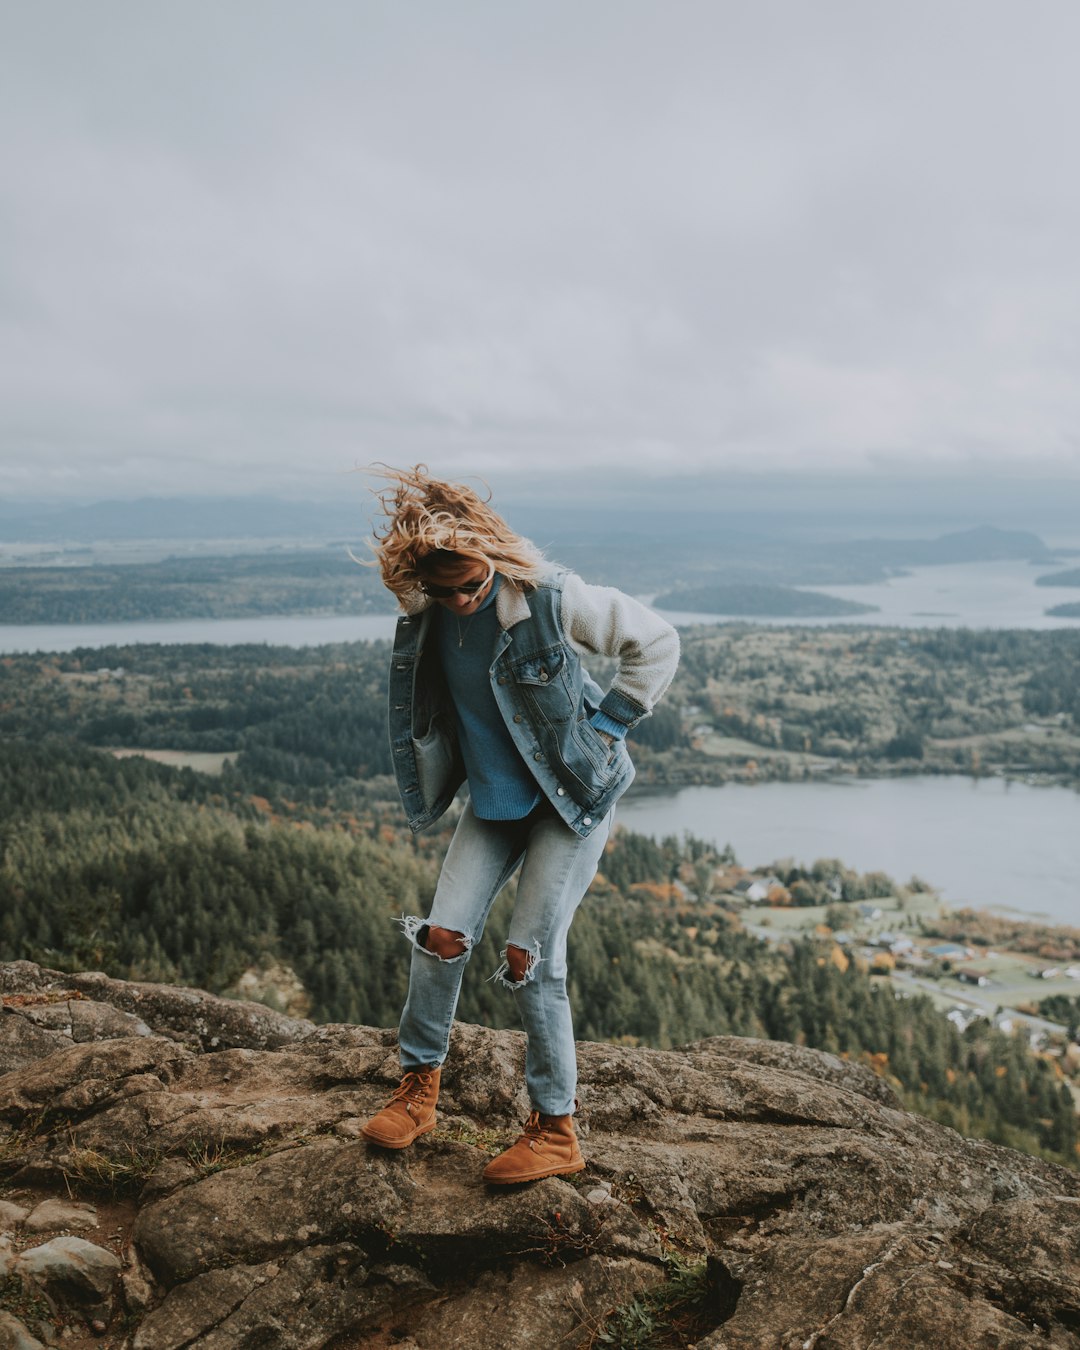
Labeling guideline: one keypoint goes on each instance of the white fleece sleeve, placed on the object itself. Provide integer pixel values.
(604, 621)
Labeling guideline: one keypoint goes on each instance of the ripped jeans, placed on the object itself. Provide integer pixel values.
(556, 869)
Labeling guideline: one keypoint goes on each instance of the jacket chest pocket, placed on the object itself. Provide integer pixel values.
(545, 683)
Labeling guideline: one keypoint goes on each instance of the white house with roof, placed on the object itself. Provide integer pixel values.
(758, 889)
(962, 1018)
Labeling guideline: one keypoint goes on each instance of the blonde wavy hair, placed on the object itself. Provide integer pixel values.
(424, 516)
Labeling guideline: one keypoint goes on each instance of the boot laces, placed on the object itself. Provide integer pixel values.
(412, 1090)
(535, 1131)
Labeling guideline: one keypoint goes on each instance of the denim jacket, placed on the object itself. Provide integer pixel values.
(543, 692)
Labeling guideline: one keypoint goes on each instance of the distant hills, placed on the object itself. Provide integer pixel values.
(983, 543)
(759, 600)
(640, 551)
(173, 518)
(243, 586)
(255, 517)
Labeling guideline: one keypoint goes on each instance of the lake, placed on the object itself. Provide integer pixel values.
(286, 630)
(986, 842)
(957, 595)
(992, 844)
(960, 595)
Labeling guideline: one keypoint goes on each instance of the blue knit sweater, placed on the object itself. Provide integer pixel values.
(501, 785)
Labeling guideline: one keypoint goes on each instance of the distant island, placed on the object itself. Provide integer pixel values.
(758, 600)
(1069, 611)
(1070, 578)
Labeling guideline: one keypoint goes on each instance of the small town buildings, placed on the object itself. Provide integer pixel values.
(897, 943)
(759, 887)
(971, 976)
(950, 951)
(1008, 1022)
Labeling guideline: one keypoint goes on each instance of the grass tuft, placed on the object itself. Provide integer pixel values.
(674, 1314)
(111, 1173)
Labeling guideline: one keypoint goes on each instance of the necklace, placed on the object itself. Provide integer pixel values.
(462, 634)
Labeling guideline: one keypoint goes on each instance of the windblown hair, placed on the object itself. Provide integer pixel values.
(426, 516)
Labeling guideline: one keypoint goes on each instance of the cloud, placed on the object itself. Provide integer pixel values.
(253, 240)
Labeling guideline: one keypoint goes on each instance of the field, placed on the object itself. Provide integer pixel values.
(199, 760)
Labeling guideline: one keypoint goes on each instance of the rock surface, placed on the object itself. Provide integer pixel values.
(15, 1336)
(11, 1215)
(123, 1008)
(70, 1271)
(829, 1216)
(51, 1214)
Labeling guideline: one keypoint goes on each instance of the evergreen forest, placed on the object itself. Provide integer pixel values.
(295, 855)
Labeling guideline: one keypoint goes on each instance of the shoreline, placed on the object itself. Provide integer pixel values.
(1002, 981)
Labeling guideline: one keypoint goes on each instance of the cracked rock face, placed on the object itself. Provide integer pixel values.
(829, 1216)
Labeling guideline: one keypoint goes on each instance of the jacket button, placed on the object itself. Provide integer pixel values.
(587, 820)
(543, 677)
(518, 717)
(502, 679)
(560, 792)
(538, 757)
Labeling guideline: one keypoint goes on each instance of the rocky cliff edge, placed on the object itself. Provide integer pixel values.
(184, 1172)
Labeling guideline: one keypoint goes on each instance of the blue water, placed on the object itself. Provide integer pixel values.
(961, 595)
(987, 843)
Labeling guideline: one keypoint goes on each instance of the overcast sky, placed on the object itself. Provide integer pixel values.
(247, 245)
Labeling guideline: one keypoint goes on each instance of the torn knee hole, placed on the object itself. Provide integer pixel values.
(444, 942)
(518, 963)
(518, 967)
(441, 944)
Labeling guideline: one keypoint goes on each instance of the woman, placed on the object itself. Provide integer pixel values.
(487, 686)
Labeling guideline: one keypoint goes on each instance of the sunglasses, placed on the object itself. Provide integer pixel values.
(445, 592)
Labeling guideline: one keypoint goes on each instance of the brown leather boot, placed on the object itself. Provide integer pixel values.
(548, 1147)
(409, 1113)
